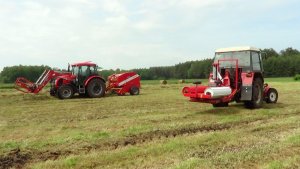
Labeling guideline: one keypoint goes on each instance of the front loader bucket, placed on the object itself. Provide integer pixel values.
(25, 85)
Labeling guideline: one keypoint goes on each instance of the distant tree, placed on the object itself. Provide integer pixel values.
(200, 69)
(268, 53)
(181, 70)
(106, 73)
(289, 52)
(32, 73)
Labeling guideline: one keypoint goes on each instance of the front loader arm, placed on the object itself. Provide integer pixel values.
(26, 86)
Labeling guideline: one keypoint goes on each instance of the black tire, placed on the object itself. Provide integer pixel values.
(96, 88)
(52, 92)
(65, 92)
(237, 98)
(134, 91)
(222, 104)
(272, 96)
(257, 94)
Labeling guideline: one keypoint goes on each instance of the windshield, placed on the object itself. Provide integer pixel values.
(84, 70)
(243, 58)
(93, 69)
(75, 70)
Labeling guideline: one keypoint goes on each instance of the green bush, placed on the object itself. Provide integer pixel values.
(297, 77)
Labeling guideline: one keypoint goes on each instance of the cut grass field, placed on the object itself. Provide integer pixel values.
(157, 129)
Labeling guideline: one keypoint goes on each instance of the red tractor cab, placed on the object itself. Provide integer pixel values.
(128, 82)
(237, 76)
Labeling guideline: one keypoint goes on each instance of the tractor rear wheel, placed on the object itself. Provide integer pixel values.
(96, 88)
(134, 91)
(65, 92)
(257, 94)
(272, 96)
(222, 104)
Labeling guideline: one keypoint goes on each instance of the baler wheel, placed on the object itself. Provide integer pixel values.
(272, 96)
(257, 94)
(222, 104)
(134, 91)
(96, 88)
(65, 92)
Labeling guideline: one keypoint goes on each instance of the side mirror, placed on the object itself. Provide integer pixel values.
(263, 55)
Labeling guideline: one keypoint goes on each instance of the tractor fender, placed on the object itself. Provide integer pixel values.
(246, 88)
(58, 82)
(93, 77)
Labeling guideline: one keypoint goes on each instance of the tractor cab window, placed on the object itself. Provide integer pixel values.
(93, 69)
(256, 61)
(243, 58)
(75, 70)
(84, 71)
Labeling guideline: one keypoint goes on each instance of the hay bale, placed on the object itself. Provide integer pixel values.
(164, 82)
(181, 81)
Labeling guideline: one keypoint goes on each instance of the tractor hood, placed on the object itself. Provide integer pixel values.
(67, 76)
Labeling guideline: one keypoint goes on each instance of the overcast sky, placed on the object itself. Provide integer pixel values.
(140, 33)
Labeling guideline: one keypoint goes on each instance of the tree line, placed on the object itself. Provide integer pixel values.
(283, 64)
(286, 63)
(32, 73)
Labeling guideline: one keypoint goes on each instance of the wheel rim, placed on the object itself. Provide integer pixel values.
(66, 93)
(272, 96)
(97, 89)
(135, 91)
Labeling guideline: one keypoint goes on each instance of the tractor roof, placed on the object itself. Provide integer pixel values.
(235, 49)
(84, 64)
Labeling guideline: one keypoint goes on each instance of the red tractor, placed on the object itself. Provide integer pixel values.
(81, 78)
(237, 75)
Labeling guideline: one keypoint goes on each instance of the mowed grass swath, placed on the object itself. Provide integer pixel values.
(157, 129)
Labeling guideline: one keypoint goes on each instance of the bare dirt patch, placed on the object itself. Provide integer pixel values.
(15, 158)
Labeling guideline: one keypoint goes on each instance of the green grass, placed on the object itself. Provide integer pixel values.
(157, 129)
(6, 85)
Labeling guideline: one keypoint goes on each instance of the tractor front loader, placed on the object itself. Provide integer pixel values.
(26, 86)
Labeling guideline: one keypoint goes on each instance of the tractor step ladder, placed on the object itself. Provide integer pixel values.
(81, 89)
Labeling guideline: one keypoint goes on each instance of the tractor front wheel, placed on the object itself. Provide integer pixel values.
(65, 92)
(134, 91)
(53, 92)
(257, 94)
(96, 88)
(272, 96)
